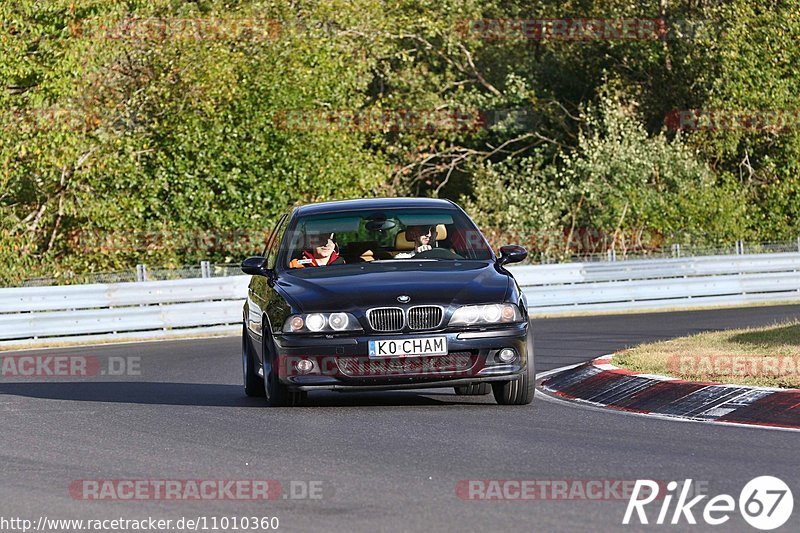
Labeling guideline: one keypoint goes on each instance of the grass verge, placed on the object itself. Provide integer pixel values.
(765, 357)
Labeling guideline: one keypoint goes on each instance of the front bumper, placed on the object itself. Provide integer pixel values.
(343, 362)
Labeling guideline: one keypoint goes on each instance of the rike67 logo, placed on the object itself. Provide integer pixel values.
(765, 503)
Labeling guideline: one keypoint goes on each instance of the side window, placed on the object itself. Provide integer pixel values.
(272, 234)
(274, 242)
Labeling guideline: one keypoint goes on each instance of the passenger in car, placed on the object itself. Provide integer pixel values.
(319, 250)
(423, 238)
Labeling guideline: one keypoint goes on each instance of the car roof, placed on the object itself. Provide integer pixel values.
(372, 203)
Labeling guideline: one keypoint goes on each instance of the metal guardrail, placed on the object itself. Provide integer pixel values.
(164, 308)
(141, 273)
(114, 310)
(660, 283)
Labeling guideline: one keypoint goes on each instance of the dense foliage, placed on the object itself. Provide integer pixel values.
(167, 131)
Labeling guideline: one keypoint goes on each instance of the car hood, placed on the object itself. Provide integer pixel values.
(348, 287)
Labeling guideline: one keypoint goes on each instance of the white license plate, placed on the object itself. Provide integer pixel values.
(408, 347)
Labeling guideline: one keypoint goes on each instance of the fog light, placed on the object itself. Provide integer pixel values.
(304, 366)
(507, 355)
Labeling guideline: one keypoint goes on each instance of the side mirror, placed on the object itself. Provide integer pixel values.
(511, 254)
(255, 266)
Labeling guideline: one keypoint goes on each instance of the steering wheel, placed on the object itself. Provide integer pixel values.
(437, 253)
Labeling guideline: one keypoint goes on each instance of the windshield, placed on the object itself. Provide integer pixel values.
(367, 236)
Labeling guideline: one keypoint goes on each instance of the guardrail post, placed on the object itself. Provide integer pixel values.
(141, 273)
(798, 244)
(612, 254)
(676, 250)
(740, 247)
(205, 269)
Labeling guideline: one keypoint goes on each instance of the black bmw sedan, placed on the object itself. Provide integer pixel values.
(379, 294)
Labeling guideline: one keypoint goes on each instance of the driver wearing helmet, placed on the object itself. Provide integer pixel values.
(422, 236)
(319, 250)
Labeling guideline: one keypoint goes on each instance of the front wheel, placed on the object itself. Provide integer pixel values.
(278, 394)
(253, 383)
(521, 390)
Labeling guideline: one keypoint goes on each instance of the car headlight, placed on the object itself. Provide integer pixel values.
(338, 321)
(316, 322)
(321, 323)
(481, 315)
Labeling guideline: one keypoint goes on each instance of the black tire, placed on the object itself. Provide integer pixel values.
(474, 389)
(253, 383)
(278, 394)
(519, 391)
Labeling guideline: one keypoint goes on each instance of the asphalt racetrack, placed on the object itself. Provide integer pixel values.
(378, 461)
